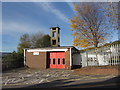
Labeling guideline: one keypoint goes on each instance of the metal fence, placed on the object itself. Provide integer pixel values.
(107, 55)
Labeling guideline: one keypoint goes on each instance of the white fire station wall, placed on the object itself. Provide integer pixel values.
(77, 59)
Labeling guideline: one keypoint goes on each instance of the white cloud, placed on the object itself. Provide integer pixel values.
(70, 4)
(20, 27)
(47, 6)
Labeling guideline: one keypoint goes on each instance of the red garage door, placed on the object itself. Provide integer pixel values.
(56, 59)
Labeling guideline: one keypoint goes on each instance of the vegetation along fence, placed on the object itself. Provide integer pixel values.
(107, 55)
(10, 65)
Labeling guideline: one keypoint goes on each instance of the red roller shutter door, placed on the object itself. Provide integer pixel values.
(57, 59)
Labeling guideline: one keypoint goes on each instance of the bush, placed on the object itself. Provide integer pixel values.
(13, 60)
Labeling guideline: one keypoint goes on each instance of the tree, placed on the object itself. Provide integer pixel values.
(16, 59)
(13, 60)
(34, 39)
(89, 25)
(46, 41)
(10, 57)
(110, 9)
(43, 42)
(24, 43)
(37, 40)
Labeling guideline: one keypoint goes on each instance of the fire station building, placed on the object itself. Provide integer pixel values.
(58, 57)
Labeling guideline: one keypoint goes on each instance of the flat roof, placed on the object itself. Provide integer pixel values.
(54, 27)
(47, 49)
(61, 47)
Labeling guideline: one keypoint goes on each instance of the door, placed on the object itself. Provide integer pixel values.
(60, 59)
(56, 59)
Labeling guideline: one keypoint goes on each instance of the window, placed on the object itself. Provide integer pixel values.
(95, 59)
(54, 42)
(63, 61)
(91, 59)
(53, 34)
(54, 61)
(58, 60)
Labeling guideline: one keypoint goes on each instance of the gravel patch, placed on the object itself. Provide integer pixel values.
(31, 76)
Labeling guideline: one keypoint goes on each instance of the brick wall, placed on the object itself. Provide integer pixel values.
(67, 59)
(36, 61)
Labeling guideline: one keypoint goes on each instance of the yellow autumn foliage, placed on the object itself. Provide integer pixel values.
(82, 43)
(85, 29)
(73, 25)
(74, 34)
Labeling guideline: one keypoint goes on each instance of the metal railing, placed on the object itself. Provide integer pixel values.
(107, 55)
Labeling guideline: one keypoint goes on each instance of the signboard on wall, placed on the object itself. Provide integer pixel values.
(35, 53)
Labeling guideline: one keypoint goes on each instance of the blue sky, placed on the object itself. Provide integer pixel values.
(33, 17)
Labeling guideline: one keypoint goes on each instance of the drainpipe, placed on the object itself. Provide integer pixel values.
(24, 57)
